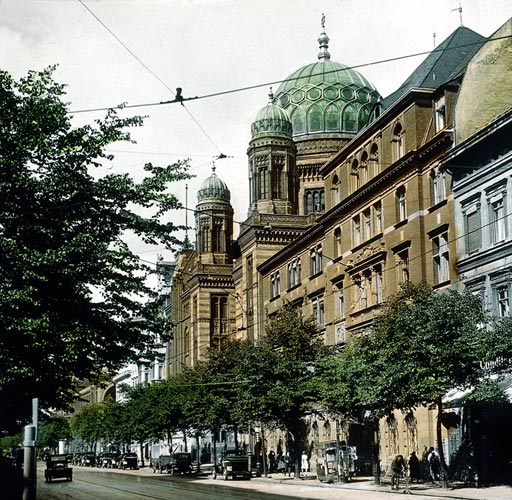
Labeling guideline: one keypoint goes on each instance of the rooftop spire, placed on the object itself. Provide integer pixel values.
(323, 41)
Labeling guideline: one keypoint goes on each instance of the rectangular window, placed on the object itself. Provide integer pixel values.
(400, 204)
(438, 183)
(441, 258)
(367, 224)
(318, 312)
(377, 285)
(402, 266)
(473, 230)
(264, 183)
(377, 215)
(440, 113)
(356, 230)
(294, 274)
(275, 284)
(502, 301)
(316, 260)
(497, 218)
(219, 315)
(337, 242)
(339, 304)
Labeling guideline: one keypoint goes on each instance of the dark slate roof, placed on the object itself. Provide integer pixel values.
(446, 62)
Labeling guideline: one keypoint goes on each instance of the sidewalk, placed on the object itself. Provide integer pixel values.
(353, 489)
(457, 490)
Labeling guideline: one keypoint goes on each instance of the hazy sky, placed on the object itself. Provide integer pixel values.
(210, 46)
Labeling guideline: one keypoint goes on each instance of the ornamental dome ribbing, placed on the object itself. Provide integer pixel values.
(271, 120)
(213, 189)
(326, 97)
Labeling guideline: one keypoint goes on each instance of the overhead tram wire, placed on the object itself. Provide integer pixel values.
(182, 99)
(177, 94)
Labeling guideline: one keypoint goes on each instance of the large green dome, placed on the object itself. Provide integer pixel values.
(326, 97)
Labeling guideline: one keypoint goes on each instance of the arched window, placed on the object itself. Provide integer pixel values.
(337, 242)
(349, 119)
(332, 118)
(298, 121)
(314, 201)
(374, 160)
(354, 172)
(314, 118)
(363, 169)
(398, 142)
(335, 190)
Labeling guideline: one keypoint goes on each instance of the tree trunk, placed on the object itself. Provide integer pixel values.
(376, 453)
(198, 452)
(439, 433)
(237, 444)
(185, 440)
(141, 444)
(263, 451)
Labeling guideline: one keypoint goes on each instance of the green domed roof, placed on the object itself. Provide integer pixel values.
(326, 97)
(213, 189)
(271, 120)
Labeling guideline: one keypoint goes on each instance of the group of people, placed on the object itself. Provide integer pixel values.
(428, 468)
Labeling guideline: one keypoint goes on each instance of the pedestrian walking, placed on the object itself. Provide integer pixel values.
(414, 468)
(398, 468)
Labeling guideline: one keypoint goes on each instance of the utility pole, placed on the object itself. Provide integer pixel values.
(29, 455)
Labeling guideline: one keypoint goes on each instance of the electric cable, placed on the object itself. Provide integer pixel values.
(182, 99)
(177, 93)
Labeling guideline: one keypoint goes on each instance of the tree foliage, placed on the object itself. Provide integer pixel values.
(70, 285)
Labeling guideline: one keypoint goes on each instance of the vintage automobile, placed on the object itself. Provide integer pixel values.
(233, 466)
(108, 460)
(338, 463)
(57, 468)
(160, 464)
(88, 460)
(128, 461)
(175, 463)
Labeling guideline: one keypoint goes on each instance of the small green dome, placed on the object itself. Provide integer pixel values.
(326, 97)
(213, 189)
(271, 120)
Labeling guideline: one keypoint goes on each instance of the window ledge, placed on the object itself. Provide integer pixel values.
(438, 205)
(441, 284)
(401, 223)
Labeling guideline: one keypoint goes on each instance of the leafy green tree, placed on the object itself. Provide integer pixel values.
(88, 425)
(280, 369)
(423, 344)
(53, 430)
(70, 286)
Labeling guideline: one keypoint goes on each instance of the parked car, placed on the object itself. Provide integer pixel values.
(57, 467)
(88, 460)
(108, 460)
(175, 463)
(128, 461)
(160, 464)
(233, 466)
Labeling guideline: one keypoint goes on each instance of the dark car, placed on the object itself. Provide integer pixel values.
(175, 463)
(108, 460)
(57, 467)
(160, 464)
(233, 466)
(128, 461)
(88, 460)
